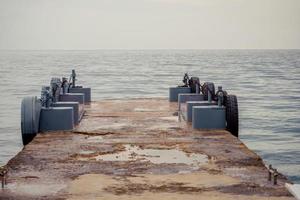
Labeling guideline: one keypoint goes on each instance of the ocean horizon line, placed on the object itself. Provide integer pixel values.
(154, 49)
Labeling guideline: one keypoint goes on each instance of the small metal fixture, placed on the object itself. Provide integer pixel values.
(220, 95)
(73, 77)
(194, 84)
(186, 80)
(275, 177)
(55, 84)
(45, 96)
(3, 173)
(209, 96)
(272, 173)
(65, 85)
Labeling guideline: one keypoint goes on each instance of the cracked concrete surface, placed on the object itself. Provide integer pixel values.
(137, 149)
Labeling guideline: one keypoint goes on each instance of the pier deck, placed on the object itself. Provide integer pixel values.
(137, 149)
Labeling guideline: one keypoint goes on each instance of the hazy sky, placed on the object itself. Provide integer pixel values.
(149, 24)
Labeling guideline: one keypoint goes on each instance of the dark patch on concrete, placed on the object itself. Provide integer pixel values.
(254, 189)
(134, 188)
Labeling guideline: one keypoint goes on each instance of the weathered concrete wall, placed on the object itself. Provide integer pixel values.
(137, 149)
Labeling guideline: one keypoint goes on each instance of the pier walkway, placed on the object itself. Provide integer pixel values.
(137, 149)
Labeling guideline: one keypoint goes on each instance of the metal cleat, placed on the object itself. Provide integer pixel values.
(272, 173)
(3, 173)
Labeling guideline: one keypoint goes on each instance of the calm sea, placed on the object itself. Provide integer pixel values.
(267, 83)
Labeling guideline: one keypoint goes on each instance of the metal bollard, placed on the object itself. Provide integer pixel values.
(55, 85)
(3, 181)
(73, 78)
(220, 96)
(272, 172)
(269, 173)
(209, 96)
(65, 85)
(186, 80)
(3, 172)
(45, 97)
(275, 177)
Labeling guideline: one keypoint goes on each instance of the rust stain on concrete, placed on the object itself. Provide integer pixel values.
(137, 149)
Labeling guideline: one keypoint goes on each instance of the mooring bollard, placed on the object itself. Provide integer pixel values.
(65, 85)
(269, 173)
(220, 96)
(55, 85)
(45, 96)
(275, 177)
(272, 172)
(3, 172)
(73, 75)
(209, 96)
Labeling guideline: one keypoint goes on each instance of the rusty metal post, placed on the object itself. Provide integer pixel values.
(73, 78)
(220, 94)
(209, 96)
(3, 172)
(65, 85)
(270, 173)
(275, 175)
(45, 97)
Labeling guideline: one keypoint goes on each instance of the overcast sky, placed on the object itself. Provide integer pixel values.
(149, 24)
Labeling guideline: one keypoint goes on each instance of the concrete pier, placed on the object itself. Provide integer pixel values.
(137, 149)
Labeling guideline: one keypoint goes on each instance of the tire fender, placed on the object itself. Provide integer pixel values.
(30, 117)
(205, 87)
(232, 115)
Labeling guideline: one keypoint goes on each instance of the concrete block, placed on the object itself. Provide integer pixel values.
(56, 118)
(74, 97)
(188, 110)
(85, 91)
(182, 98)
(208, 117)
(74, 105)
(174, 91)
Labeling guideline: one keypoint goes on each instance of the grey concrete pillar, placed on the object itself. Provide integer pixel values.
(182, 98)
(74, 97)
(208, 117)
(174, 91)
(56, 119)
(74, 105)
(188, 115)
(85, 91)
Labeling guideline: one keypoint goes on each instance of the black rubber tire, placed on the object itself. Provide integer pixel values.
(232, 115)
(30, 115)
(192, 83)
(26, 139)
(205, 90)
